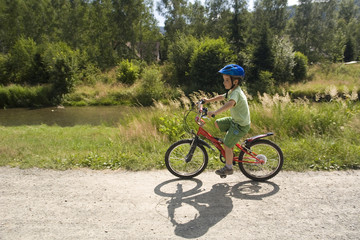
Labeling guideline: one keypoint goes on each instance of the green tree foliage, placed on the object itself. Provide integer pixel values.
(152, 86)
(20, 61)
(238, 25)
(174, 12)
(180, 53)
(103, 30)
(62, 79)
(349, 53)
(196, 16)
(300, 67)
(271, 12)
(66, 38)
(301, 30)
(263, 57)
(210, 56)
(219, 15)
(127, 72)
(283, 60)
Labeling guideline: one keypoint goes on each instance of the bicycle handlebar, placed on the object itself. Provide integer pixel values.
(202, 110)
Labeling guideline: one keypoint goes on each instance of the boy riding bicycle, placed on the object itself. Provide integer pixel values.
(238, 124)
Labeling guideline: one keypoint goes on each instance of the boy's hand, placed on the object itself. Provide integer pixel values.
(211, 114)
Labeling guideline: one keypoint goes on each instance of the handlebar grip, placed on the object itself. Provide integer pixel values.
(205, 110)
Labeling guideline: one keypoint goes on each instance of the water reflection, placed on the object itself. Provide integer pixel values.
(64, 117)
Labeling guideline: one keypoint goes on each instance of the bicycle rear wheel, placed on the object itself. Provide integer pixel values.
(175, 159)
(269, 152)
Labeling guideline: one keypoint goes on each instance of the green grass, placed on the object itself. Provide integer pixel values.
(81, 146)
(313, 136)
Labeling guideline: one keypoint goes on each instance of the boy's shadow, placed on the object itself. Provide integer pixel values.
(210, 206)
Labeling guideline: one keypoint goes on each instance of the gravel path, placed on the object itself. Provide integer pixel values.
(84, 204)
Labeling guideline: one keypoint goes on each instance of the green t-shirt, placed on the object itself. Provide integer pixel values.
(240, 113)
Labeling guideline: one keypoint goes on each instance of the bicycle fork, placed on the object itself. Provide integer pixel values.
(195, 142)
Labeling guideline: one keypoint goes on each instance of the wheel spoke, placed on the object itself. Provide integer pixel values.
(268, 152)
(176, 163)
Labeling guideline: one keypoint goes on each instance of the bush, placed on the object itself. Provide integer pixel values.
(152, 86)
(266, 83)
(20, 61)
(180, 52)
(62, 79)
(300, 68)
(127, 72)
(207, 60)
(19, 96)
(172, 127)
(283, 60)
(3, 72)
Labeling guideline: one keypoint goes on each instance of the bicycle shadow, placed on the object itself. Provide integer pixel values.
(193, 212)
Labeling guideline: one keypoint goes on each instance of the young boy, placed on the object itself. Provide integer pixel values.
(238, 124)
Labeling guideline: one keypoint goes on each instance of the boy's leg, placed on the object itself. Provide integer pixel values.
(229, 155)
(227, 170)
(232, 136)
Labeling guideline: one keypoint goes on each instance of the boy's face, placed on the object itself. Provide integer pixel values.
(227, 81)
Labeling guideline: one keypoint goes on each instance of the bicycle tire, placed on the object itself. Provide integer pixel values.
(274, 161)
(175, 159)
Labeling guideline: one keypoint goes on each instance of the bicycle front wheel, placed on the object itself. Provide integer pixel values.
(175, 159)
(267, 151)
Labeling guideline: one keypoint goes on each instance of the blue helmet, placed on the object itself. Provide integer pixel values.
(233, 70)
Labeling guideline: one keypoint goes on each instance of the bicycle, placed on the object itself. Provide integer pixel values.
(259, 159)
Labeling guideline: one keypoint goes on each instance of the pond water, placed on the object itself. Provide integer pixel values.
(64, 117)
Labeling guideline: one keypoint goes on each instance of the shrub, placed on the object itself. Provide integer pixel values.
(62, 78)
(283, 60)
(207, 60)
(152, 86)
(300, 68)
(127, 72)
(172, 127)
(180, 52)
(3, 72)
(266, 82)
(20, 61)
(19, 96)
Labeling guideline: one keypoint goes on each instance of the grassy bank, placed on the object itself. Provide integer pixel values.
(313, 136)
(326, 81)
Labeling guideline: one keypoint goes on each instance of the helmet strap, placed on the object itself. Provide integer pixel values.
(232, 83)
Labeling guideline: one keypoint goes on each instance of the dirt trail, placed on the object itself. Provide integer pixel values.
(84, 204)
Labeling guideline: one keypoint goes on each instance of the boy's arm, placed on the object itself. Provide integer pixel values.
(224, 108)
(214, 99)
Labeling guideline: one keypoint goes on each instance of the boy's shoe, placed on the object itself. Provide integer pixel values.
(224, 171)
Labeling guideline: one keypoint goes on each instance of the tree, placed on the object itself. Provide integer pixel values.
(323, 31)
(174, 12)
(284, 63)
(349, 53)
(238, 25)
(263, 56)
(272, 12)
(347, 10)
(219, 15)
(260, 74)
(301, 30)
(175, 20)
(11, 24)
(196, 18)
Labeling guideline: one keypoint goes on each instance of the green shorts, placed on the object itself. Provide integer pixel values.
(234, 132)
